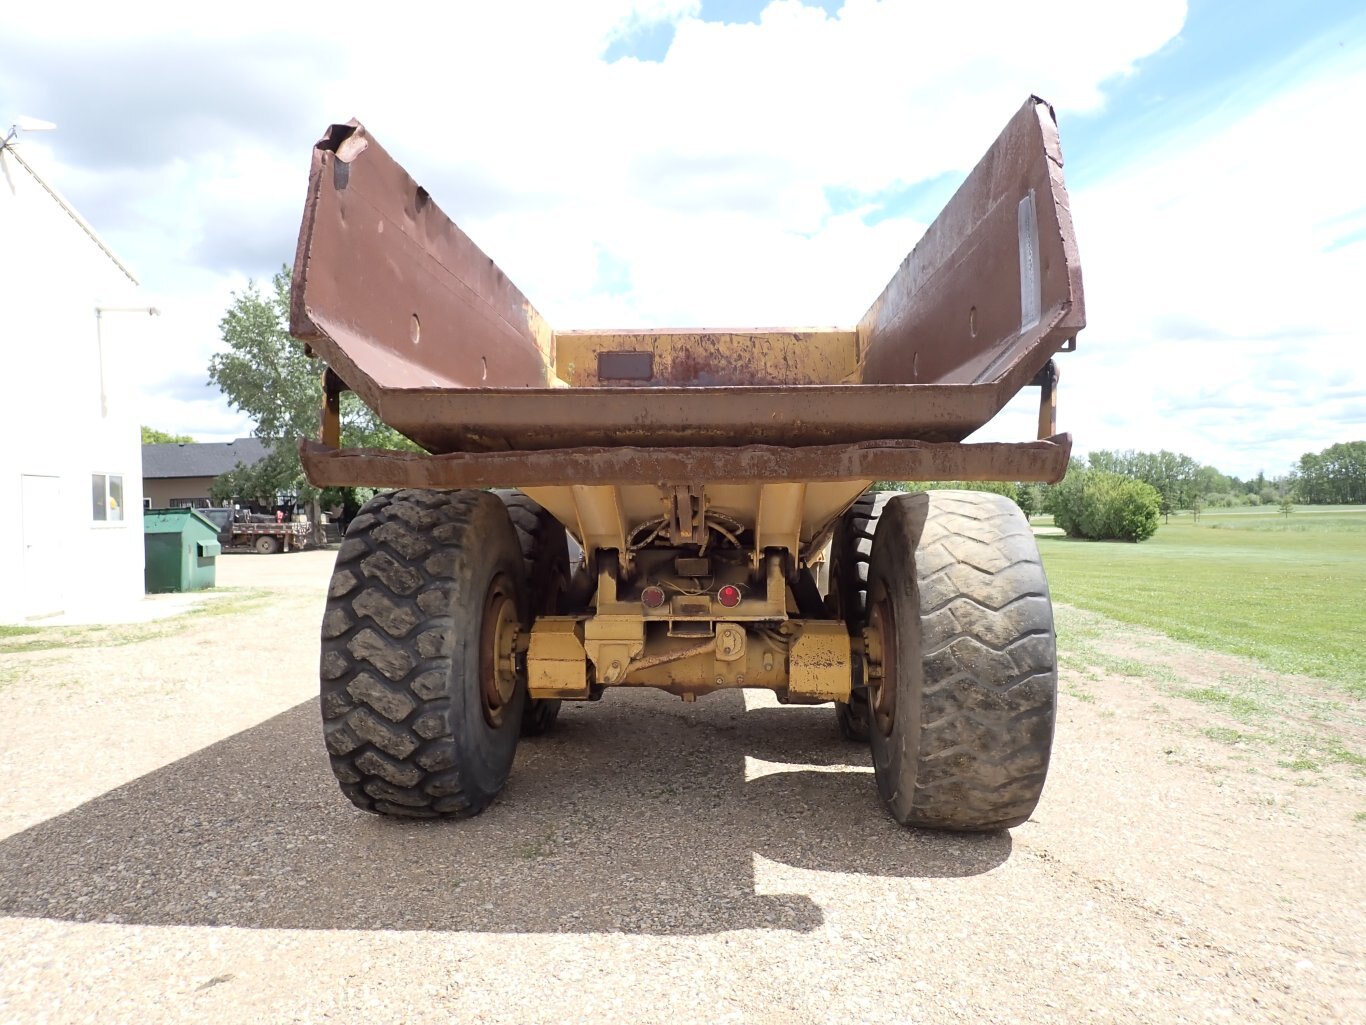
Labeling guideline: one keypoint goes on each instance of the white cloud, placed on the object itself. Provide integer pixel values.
(695, 190)
(1217, 279)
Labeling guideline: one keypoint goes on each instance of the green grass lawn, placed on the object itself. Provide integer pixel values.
(1287, 591)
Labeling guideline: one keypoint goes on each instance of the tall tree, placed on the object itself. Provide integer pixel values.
(1335, 476)
(265, 374)
(1173, 474)
(1126, 462)
(1209, 481)
(152, 436)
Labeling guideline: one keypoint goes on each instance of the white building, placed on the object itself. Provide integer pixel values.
(71, 457)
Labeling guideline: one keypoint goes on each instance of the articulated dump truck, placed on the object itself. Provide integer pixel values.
(688, 509)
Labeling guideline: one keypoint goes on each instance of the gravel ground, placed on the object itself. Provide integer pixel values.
(173, 848)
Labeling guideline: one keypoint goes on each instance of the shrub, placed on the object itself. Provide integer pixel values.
(1106, 506)
(1064, 501)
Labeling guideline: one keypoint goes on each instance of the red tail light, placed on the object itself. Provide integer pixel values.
(652, 597)
(729, 596)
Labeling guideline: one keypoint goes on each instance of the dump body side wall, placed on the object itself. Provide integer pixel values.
(993, 289)
(394, 294)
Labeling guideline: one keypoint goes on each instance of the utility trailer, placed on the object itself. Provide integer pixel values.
(265, 535)
(716, 484)
(269, 538)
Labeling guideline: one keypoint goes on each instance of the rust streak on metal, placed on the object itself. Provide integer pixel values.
(1044, 460)
(472, 420)
(706, 358)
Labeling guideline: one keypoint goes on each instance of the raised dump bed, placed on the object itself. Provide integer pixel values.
(715, 481)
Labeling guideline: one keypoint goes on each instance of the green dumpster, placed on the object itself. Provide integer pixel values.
(181, 548)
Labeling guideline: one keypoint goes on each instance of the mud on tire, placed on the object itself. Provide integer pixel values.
(407, 720)
(962, 734)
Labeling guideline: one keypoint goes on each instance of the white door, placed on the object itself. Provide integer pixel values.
(41, 584)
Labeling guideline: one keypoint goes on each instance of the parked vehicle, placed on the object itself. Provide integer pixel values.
(708, 475)
(264, 534)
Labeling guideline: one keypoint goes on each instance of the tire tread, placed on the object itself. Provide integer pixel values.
(977, 756)
(376, 687)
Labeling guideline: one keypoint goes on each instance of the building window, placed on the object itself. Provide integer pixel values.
(106, 497)
(190, 503)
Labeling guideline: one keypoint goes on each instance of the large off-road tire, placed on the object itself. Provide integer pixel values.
(545, 557)
(850, 549)
(962, 624)
(421, 703)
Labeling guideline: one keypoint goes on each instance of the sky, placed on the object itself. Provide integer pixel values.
(667, 163)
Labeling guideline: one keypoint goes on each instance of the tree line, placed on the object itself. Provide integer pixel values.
(1335, 476)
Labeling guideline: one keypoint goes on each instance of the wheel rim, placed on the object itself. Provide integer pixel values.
(498, 651)
(881, 644)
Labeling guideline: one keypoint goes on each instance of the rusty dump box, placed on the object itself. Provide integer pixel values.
(410, 314)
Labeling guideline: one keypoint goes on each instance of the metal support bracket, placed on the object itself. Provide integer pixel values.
(687, 513)
(1047, 382)
(333, 386)
(612, 640)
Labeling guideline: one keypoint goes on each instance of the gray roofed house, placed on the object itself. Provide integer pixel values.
(177, 475)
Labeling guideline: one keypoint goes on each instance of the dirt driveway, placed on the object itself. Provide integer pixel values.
(173, 848)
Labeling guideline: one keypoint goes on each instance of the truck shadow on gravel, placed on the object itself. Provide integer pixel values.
(633, 816)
